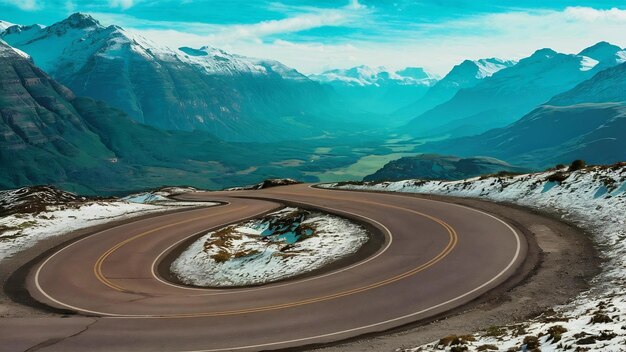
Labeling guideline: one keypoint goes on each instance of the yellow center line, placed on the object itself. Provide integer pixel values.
(97, 269)
(453, 239)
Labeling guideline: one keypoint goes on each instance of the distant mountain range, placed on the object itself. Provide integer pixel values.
(377, 89)
(512, 92)
(464, 75)
(233, 97)
(50, 136)
(98, 109)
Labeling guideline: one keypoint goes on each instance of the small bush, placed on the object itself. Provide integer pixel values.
(555, 332)
(557, 177)
(531, 342)
(494, 331)
(487, 348)
(460, 348)
(577, 165)
(600, 318)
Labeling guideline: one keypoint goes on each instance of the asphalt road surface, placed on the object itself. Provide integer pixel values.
(436, 256)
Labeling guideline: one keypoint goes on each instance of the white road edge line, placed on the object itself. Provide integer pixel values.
(495, 278)
(388, 234)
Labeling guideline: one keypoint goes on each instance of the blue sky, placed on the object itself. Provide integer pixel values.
(316, 35)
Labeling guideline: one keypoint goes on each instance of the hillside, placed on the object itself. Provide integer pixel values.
(49, 136)
(550, 135)
(440, 167)
(230, 96)
(511, 93)
(464, 75)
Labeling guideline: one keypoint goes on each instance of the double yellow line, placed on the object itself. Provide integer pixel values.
(97, 268)
(452, 242)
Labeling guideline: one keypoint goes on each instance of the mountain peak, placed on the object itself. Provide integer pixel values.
(601, 51)
(81, 20)
(543, 53)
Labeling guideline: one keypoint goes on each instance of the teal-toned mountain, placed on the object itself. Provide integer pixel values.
(464, 75)
(608, 85)
(440, 167)
(50, 136)
(549, 135)
(511, 93)
(230, 96)
(377, 90)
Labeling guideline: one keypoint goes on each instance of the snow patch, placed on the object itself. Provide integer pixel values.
(283, 244)
(595, 199)
(22, 230)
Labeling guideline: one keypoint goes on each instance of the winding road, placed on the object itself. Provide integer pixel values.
(434, 256)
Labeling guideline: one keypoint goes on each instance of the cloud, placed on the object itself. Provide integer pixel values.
(287, 25)
(123, 4)
(588, 14)
(27, 5)
(354, 4)
(437, 47)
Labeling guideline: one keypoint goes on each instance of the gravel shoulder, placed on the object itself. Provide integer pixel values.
(561, 262)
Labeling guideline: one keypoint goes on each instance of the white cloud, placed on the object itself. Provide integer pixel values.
(436, 47)
(27, 5)
(123, 4)
(354, 4)
(588, 14)
(287, 25)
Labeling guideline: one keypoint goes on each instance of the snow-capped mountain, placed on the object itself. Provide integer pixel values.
(186, 89)
(549, 135)
(377, 90)
(464, 75)
(511, 93)
(608, 85)
(375, 76)
(4, 25)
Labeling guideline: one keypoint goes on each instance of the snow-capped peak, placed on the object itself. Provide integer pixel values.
(375, 76)
(8, 51)
(601, 51)
(68, 45)
(470, 70)
(487, 67)
(4, 25)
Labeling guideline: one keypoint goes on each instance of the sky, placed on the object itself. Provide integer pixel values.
(316, 35)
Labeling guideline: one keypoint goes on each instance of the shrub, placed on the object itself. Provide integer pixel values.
(531, 342)
(487, 348)
(494, 331)
(600, 318)
(555, 332)
(577, 165)
(557, 177)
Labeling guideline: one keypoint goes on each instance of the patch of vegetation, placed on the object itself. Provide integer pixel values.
(494, 331)
(577, 165)
(555, 333)
(604, 336)
(487, 347)
(221, 257)
(558, 177)
(531, 342)
(600, 318)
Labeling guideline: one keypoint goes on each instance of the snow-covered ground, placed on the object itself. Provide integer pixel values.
(280, 245)
(593, 198)
(45, 212)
